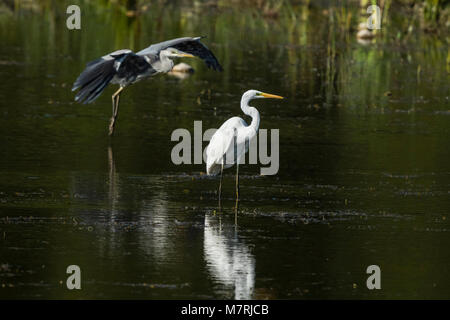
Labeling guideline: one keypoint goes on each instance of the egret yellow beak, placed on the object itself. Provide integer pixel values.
(273, 96)
(186, 55)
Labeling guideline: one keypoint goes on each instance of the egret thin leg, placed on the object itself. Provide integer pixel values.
(115, 99)
(220, 188)
(237, 186)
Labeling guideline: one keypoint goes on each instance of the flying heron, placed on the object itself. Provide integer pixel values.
(230, 142)
(124, 67)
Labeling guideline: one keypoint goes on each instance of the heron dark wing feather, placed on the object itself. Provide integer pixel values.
(131, 66)
(96, 93)
(87, 89)
(198, 49)
(95, 68)
(91, 63)
(91, 92)
(93, 80)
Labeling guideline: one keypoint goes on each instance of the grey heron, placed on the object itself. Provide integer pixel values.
(124, 67)
(230, 142)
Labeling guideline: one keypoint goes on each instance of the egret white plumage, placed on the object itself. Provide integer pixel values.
(124, 67)
(230, 142)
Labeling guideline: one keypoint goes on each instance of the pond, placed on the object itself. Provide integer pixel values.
(363, 179)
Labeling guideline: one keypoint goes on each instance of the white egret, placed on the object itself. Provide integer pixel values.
(230, 142)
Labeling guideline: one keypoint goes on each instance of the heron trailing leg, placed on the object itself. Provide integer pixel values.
(115, 110)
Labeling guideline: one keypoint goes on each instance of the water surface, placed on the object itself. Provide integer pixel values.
(364, 172)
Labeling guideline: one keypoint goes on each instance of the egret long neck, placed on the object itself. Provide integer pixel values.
(250, 111)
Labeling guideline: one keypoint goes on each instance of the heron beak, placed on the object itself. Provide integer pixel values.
(273, 96)
(186, 55)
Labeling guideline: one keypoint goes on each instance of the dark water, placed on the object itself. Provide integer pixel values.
(364, 172)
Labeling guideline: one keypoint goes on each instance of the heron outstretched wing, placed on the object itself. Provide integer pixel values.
(94, 79)
(187, 45)
(124, 64)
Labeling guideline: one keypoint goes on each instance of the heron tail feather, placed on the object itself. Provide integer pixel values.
(93, 80)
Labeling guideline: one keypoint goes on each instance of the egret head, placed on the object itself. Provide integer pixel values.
(174, 53)
(255, 94)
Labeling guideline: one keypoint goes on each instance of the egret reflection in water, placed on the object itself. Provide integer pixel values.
(229, 260)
